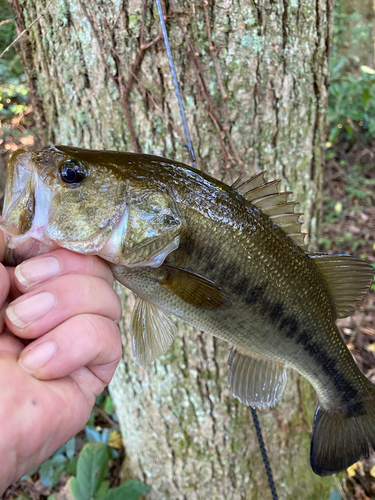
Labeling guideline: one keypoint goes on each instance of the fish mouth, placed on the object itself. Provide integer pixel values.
(20, 167)
(25, 210)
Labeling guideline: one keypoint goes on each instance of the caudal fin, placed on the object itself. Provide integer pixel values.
(341, 438)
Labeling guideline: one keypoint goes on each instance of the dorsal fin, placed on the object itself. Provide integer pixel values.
(348, 280)
(266, 197)
(252, 183)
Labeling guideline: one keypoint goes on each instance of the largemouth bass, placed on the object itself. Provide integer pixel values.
(229, 260)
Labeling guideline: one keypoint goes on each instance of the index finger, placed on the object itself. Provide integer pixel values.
(60, 262)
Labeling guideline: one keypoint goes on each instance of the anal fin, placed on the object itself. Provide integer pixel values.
(255, 380)
(152, 332)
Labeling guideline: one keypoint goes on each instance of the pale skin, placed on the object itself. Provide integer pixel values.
(64, 304)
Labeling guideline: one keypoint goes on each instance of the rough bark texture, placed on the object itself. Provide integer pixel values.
(253, 76)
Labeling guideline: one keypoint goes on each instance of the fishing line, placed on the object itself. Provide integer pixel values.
(177, 88)
(262, 447)
(192, 158)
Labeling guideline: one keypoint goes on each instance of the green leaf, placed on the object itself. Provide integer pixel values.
(105, 435)
(102, 491)
(330, 154)
(45, 473)
(100, 399)
(70, 448)
(348, 128)
(56, 475)
(366, 96)
(71, 467)
(92, 435)
(58, 459)
(335, 131)
(130, 490)
(91, 468)
(335, 495)
(109, 406)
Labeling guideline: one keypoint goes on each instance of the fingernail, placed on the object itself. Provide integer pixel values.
(25, 312)
(36, 271)
(37, 357)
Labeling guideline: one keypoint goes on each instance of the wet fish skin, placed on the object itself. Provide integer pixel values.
(228, 270)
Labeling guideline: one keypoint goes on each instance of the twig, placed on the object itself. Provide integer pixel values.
(221, 86)
(26, 29)
(104, 415)
(159, 109)
(5, 21)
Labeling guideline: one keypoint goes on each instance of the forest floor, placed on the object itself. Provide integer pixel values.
(347, 226)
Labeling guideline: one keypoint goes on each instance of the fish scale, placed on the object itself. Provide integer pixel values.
(229, 260)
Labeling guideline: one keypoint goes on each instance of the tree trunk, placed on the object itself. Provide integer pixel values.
(253, 75)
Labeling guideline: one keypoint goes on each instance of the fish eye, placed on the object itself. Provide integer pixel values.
(72, 172)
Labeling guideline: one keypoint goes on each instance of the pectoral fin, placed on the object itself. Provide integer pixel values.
(255, 380)
(152, 332)
(193, 288)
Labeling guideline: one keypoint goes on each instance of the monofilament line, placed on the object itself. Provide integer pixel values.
(177, 88)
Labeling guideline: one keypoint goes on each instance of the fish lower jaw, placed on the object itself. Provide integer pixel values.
(20, 248)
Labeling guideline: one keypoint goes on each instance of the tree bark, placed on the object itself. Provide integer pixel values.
(253, 75)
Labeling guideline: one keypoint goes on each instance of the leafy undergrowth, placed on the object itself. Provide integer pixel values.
(348, 226)
(88, 467)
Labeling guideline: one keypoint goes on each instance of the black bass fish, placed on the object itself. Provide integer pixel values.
(229, 260)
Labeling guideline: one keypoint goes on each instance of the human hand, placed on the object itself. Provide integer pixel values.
(59, 348)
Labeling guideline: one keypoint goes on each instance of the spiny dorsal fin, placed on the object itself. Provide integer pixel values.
(348, 279)
(252, 183)
(266, 196)
(255, 380)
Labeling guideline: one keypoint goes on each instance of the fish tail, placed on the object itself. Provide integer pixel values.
(340, 438)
